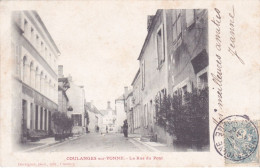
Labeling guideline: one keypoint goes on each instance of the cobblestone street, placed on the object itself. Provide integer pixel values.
(94, 142)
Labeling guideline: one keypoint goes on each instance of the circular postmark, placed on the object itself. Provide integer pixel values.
(235, 137)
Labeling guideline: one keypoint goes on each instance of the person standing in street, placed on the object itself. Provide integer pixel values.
(125, 128)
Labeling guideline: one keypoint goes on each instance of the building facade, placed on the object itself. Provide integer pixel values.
(173, 60)
(76, 95)
(136, 84)
(120, 113)
(95, 117)
(109, 119)
(129, 109)
(63, 86)
(35, 84)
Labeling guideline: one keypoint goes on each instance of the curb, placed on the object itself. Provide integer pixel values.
(49, 145)
(152, 149)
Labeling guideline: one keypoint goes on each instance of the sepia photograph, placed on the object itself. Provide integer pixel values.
(164, 107)
(129, 83)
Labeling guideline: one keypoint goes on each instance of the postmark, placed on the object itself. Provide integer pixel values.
(236, 137)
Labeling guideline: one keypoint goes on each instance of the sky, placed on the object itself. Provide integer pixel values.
(99, 44)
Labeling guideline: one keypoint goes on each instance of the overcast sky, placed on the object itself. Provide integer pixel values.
(99, 44)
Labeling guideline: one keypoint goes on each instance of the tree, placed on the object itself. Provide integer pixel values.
(185, 116)
(62, 122)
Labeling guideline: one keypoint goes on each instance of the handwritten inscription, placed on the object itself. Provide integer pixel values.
(217, 22)
(232, 38)
(217, 78)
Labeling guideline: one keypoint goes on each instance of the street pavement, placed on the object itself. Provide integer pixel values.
(95, 142)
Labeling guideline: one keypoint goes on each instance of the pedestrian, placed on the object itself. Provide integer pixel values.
(125, 128)
(106, 129)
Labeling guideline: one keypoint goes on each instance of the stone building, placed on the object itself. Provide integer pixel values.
(120, 113)
(95, 117)
(76, 95)
(136, 84)
(35, 84)
(63, 86)
(173, 60)
(109, 119)
(128, 95)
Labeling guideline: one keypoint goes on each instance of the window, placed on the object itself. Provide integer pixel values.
(31, 73)
(143, 74)
(203, 81)
(26, 27)
(35, 78)
(177, 27)
(37, 41)
(41, 82)
(45, 85)
(32, 33)
(184, 89)
(42, 48)
(202, 78)
(190, 17)
(31, 116)
(160, 46)
(24, 68)
(36, 117)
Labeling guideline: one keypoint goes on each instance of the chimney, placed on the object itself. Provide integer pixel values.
(126, 91)
(60, 71)
(108, 105)
(149, 21)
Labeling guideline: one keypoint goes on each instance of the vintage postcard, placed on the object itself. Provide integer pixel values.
(129, 83)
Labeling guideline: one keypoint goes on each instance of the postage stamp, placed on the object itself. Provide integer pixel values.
(236, 139)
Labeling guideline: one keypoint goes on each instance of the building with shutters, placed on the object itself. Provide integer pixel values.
(35, 84)
(173, 60)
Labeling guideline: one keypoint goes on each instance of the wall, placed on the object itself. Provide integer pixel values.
(120, 114)
(155, 76)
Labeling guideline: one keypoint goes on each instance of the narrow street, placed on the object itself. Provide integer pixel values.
(94, 142)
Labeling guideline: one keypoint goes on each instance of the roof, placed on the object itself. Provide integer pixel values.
(105, 112)
(136, 75)
(92, 109)
(154, 20)
(120, 98)
(130, 94)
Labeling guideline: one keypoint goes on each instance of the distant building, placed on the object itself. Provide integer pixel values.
(109, 119)
(129, 109)
(64, 85)
(136, 84)
(76, 95)
(120, 113)
(35, 84)
(95, 117)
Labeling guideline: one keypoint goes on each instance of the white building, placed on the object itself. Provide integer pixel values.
(120, 113)
(95, 117)
(109, 119)
(76, 95)
(35, 84)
